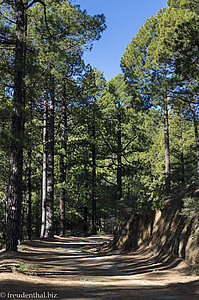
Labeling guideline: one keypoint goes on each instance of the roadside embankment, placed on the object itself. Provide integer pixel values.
(165, 231)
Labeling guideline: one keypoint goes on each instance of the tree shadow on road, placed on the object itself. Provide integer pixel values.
(179, 291)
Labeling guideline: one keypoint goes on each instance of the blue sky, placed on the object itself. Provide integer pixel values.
(123, 19)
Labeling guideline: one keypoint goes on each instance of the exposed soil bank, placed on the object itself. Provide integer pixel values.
(165, 230)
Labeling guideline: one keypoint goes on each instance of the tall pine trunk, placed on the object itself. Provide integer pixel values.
(44, 171)
(195, 122)
(94, 184)
(85, 221)
(37, 212)
(50, 164)
(62, 180)
(166, 137)
(28, 178)
(14, 199)
(182, 152)
(119, 159)
(29, 195)
(167, 150)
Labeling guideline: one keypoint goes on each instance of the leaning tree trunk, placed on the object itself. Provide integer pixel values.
(62, 178)
(50, 164)
(119, 159)
(44, 171)
(14, 200)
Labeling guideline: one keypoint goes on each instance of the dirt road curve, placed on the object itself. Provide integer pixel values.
(72, 268)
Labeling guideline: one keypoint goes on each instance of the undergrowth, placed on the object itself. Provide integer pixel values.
(26, 269)
(190, 207)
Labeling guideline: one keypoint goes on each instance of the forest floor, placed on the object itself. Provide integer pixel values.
(78, 268)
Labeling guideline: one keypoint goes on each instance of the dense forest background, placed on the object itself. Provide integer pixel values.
(78, 154)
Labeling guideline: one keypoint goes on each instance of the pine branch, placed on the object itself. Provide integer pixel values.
(105, 141)
(128, 144)
(108, 181)
(45, 13)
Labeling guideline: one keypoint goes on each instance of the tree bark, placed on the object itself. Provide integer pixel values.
(119, 159)
(50, 164)
(166, 137)
(62, 196)
(37, 212)
(44, 171)
(182, 153)
(14, 200)
(195, 122)
(94, 210)
(167, 149)
(29, 196)
(85, 222)
(28, 177)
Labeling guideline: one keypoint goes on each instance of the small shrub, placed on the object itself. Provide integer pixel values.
(190, 207)
(26, 269)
